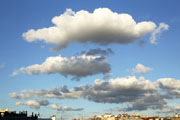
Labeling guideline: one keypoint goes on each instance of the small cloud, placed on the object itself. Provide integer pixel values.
(141, 69)
(99, 51)
(19, 96)
(42, 46)
(15, 73)
(64, 108)
(36, 104)
(162, 27)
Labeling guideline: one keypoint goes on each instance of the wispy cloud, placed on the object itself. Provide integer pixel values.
(162, 27)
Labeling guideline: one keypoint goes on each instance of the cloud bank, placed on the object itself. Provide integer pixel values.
(64, 108)
(116, 90)
(33, 103)
(138, 93)
(76, 66)
(102, 26)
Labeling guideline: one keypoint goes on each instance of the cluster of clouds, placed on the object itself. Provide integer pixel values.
(137, 93)
(89, 63)
(102, 26)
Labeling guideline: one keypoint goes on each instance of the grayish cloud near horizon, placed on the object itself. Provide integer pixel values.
(102, 26)
(36, 104)
(64, 108)
(149, 101)
(170, 109)
(139, 94)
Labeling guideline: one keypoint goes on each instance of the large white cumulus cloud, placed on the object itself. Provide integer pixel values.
(76, 66)
(102, 26)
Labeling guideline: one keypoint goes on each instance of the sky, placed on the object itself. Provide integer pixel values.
(81, 58)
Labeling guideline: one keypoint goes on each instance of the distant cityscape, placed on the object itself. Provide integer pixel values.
(6, 114)
(109, 116)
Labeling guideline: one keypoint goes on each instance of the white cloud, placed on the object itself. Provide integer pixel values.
(15, 73)
(64, 108)
(19, 96)
(33, 103)
(141, 69)
(102, 27)
(162, 27)
(80, 66)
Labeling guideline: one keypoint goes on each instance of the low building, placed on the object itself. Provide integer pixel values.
(6, 114)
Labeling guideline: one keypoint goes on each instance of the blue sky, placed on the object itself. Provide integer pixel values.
(17, 17)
